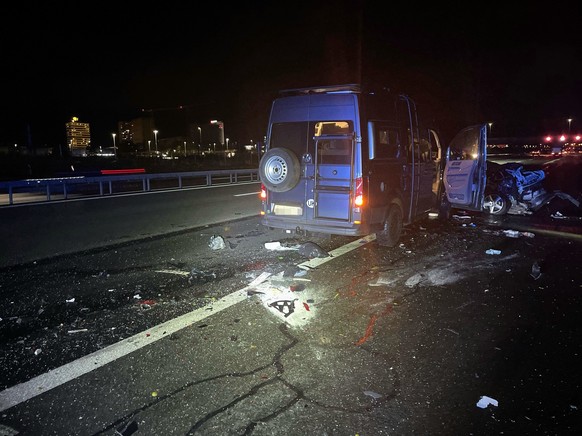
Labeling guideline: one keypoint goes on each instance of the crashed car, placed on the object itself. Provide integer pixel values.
(511, 189)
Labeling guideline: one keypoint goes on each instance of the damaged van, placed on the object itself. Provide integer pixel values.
(347, 161)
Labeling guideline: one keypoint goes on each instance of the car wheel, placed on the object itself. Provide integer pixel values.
(496, 204)
(391, 230)
(279, 169)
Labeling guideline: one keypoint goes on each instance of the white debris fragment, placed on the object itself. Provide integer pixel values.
(492, 251)
(216, 242)
(486, 401)
(37, 351)
(373, 394)
(137, 297)
(70, 300)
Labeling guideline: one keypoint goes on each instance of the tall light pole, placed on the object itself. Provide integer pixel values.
(114, 148)
(149, 147)
(569, 125)
(185, 149)
(200, 142)
(156, 140)
(490, 125)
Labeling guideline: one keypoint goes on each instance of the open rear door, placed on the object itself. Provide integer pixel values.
(465, 174)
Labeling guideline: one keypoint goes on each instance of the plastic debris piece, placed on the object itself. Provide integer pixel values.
(286, 307)
(201, 276)
(373, 394)
(127, 429)
(300, 273)
(306, 306)
(486, 401)
(297, 287)
(492, 251)
(536, 272)
(70, 300)
(77, 331)
(511, 233)
(37, 351)
(137, 297)
(311, 250)
(277, 246)
(217, 242)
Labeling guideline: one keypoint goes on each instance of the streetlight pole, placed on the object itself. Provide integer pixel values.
(200, 142)
(185, 154)
(114, 148)
(569, 125)
(156, 140)
(149, 147)
(490, 125)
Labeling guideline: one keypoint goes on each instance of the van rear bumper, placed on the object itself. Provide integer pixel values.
(322, 226)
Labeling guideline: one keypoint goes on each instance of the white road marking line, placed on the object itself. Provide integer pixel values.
(15, 395)
(248, 193)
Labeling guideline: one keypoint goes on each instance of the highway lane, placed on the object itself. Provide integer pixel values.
(33, 232)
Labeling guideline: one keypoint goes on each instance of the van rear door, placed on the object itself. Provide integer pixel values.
(465, 171)
(331, 183)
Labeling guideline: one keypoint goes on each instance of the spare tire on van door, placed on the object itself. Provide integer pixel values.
(279, 169)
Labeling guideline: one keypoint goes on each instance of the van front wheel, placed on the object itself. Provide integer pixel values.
(279, 169)
(391, 230)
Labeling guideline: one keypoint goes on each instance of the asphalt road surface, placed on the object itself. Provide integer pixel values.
(210, 332)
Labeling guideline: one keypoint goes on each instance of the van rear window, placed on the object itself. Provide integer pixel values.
(298, 136)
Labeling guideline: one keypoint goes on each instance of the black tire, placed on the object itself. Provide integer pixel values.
(391, 230)
(496, 204)
(279, 170)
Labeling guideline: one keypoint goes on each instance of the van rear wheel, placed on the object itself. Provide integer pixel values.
(279, 169)
(391, 230)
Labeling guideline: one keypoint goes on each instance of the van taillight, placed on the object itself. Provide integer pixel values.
(263, 193)
(359, 194)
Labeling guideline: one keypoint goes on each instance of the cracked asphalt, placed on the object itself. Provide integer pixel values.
(379, 341)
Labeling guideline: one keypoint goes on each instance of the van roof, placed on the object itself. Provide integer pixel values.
(328, 89)
(350, 88)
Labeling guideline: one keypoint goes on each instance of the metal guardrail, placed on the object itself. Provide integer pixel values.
(63, 188)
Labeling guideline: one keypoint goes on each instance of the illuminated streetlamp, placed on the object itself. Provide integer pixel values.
(227, 143)
(185, 148)
(156, 140)
(199, 142)
(569, 125)
(114, 148)
(490, 125)
(149, 147)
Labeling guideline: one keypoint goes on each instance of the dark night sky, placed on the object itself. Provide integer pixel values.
(517, 66)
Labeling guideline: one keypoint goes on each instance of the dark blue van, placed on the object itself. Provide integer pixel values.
(341, 160)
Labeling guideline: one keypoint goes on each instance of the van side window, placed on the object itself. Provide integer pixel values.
(387, 143)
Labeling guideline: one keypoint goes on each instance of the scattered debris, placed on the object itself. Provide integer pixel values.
(217, 242)
(70, 300)
(37, 351)
(260, 279)
(486, 401)
(77, 331)
(373, 394)
(286, 307)
(492, 251)
(201, 276)
(297, 287)
(311, 250)
(277, 246)
(536, 272)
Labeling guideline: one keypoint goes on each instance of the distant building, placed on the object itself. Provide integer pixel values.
(137, 134)
(78, 137)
